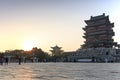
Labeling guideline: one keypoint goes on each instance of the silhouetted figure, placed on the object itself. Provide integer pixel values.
(93, 59)
(107, 53)
(1, 61)
(6, 60)
(19, 60)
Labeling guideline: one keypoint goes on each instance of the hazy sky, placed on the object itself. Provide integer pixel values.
(45, 23)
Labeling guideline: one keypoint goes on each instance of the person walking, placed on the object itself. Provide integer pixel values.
(19, 60)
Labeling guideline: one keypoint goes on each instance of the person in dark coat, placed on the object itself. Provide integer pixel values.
(6, 60)
(1, 61)
(19, 59)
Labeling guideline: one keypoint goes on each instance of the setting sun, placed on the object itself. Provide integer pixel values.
(28, 45)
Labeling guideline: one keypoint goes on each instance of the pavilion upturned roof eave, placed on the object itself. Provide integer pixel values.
(91, 20)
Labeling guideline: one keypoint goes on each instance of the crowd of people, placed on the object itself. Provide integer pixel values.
(6, 61)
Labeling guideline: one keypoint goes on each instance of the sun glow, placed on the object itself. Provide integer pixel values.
(28, 45)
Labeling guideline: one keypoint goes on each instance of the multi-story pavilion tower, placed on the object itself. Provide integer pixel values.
(98, 32)
(56, 51)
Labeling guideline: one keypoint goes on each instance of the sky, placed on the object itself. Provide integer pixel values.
(45, 23)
